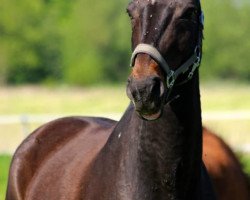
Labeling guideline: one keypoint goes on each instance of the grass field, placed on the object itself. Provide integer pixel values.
(111, 99)
(107, 100)
(4, 167)
(37, 100)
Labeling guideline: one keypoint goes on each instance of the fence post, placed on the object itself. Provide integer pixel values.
(25, 124)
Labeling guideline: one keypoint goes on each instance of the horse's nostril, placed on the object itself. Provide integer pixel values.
(133, 92)
(155, 88)
(159, 85)
(129, 81)
(129, 93)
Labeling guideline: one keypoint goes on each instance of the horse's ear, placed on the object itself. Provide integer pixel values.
(202, 19)
(199, 3)
(130, 8)
(202, 16)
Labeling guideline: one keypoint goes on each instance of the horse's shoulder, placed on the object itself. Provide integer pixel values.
(49, 139)
(55, 133)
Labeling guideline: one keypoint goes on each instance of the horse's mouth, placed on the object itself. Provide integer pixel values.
(151, 117)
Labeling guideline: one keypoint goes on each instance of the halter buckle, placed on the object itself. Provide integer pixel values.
(170, 79)
(195, 66)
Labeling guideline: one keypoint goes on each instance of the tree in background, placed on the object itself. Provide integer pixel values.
(80, 42)
(97, 43)
(227, 41)
(30, 40)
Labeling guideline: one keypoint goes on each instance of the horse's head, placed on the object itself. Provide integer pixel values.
(166, 40)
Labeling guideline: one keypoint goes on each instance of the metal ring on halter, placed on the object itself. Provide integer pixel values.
(170, 79)
(195, 66)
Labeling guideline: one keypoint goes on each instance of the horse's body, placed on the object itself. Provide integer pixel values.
(52, 162)
(155, 151)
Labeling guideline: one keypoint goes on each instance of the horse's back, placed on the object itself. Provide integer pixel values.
(51, 162)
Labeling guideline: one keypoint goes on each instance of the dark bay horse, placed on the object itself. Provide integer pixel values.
(155, 151)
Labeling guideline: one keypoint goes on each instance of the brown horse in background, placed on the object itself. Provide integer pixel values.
(224, 169)
(155, 151)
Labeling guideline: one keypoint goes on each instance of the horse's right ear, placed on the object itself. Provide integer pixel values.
(130, 8)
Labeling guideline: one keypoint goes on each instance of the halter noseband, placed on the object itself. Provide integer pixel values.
(171, 75)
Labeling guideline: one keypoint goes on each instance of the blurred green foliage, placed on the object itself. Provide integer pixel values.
(82, 42)
(227, 41)
(31, 40)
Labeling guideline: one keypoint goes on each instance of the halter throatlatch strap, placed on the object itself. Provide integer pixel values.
(172, 75)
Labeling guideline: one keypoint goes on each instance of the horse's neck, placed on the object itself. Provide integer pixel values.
(158, 159)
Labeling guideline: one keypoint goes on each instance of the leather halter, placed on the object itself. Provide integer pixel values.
(171, 75)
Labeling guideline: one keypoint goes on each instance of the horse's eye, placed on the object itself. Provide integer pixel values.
(190, 15)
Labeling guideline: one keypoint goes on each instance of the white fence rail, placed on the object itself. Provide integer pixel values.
(25, 120)
(42, 118)
(226, 115)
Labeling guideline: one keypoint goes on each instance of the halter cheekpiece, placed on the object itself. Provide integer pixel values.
(171, 75)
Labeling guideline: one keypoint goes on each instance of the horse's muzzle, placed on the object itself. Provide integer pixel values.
(147, 96)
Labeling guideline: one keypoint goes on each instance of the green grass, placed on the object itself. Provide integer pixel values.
(221, 96)
(245, 160)
(4, 169)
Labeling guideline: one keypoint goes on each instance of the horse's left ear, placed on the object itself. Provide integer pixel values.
(202, 19)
